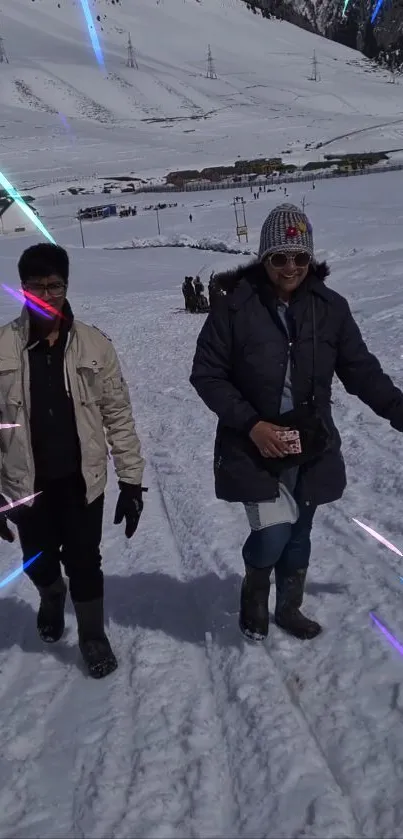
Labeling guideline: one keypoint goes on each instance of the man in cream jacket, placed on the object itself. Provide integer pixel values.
(62, 390)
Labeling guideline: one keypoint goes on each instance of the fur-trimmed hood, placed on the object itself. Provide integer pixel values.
(241, 284)
(255, 273)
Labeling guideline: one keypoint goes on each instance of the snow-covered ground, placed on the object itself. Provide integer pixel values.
(62, 116)
(198, 733)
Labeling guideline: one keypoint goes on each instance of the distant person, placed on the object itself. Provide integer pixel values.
(214, 290)
(189, 294)
(198, 286)
(71, 375)
(191, 218)
(202, 303)
(264, 364)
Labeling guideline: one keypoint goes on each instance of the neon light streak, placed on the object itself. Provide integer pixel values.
(20, 297)
(391, 638)
(24, 206)
(19, 570)
(13, 504)
(376, 11)
(67, 127)
(64, 121)
(9, 425)
(346, 2)
(46, 306)
(379, 537)
(96, 46)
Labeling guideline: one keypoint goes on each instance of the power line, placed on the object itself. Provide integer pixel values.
(3, 56)
(211, 73)
(315, 77)
(131, 58)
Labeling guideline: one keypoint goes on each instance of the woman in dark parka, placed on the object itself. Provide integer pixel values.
(264, 362)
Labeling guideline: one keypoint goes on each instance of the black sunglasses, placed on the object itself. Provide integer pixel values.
(280, 260)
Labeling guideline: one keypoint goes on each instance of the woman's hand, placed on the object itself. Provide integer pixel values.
(265, 437)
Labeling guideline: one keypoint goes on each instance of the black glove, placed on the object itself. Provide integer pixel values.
(5, 532)
(130, 506)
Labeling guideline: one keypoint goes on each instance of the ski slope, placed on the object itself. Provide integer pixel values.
(64, 116)
(198, 733)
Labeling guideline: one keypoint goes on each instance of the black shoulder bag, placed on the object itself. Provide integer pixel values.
(314, 434)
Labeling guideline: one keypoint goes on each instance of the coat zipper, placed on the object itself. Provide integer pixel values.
(26, 408)
(49, 363)
(290, 346)
(73, 393)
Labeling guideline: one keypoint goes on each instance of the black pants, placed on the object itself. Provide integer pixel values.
(67, 531)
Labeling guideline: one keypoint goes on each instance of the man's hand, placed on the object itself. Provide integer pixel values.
(5, 533)
(265, 437)
(130, 506)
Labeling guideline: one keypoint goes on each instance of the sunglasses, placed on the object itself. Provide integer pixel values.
(280, 260)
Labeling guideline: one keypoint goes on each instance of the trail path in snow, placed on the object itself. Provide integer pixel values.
(346, 686)
(198, 733)
(141, 754)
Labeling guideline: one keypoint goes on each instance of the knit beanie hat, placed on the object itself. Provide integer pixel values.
(286, 229)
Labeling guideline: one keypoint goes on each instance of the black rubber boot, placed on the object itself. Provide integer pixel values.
(50, 620)
(290, 592)
(93, 642)
(254, 612)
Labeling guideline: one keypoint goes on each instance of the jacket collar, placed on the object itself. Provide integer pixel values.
(23, 324)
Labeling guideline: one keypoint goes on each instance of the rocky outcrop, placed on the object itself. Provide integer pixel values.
(382, 40)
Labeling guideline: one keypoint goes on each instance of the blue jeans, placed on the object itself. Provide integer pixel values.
(287, 546)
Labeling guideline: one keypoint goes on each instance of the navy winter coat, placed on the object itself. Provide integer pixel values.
(239, 369)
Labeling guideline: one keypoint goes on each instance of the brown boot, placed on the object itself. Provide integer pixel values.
(290, 592)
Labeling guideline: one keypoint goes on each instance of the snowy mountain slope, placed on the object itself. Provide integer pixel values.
(197, 733)
(61, 112)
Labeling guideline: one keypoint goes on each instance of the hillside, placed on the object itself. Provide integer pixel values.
(60, 109)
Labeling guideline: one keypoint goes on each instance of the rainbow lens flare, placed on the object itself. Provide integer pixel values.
(344, 12)
(22, 299)
(12, 504)
(380, 538)
(43, 306)
(96, 46)
(18, 571)
(388, 635)
(376, 11)
(15, 195)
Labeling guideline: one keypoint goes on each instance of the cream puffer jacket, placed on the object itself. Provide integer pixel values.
(101, 404)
